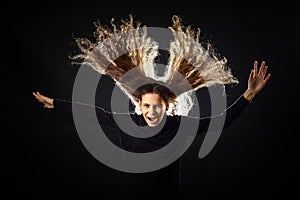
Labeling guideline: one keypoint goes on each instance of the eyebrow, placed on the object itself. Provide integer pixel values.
(147, 104)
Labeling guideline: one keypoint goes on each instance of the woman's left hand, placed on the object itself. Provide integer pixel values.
(257, 80)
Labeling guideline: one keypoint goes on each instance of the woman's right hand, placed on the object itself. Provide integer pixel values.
(48, 102)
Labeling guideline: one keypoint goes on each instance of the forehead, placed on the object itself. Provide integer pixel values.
(152, 98)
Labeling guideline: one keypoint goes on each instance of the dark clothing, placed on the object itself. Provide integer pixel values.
(163, 183)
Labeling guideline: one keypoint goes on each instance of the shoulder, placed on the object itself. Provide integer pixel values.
(174, 118)
(138, 119)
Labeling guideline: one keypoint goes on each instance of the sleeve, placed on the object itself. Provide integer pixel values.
(231, 113)
(86, 112)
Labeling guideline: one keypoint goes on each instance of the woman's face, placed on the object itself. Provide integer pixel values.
(153, 108)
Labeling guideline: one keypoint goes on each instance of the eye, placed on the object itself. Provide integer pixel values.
(146, 105)
(158, 106)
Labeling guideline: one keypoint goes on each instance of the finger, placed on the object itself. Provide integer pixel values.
(255, 67)
(262, 66)
(40, 100)
(34, 94)
(48, 106)
(251, 76)
(42, 96)
(37, 97)
(267, 77)
(265, 71)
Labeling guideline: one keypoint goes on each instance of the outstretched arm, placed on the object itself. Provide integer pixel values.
(257, 80)
(104, 117)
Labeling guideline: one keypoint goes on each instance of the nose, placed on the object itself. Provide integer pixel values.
(152, 110)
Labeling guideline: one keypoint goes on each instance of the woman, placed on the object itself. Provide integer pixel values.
(157, 99)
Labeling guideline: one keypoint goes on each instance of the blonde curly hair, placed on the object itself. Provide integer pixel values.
(127, 54)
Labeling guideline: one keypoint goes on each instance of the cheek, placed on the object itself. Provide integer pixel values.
(144, 111)
(161, 111)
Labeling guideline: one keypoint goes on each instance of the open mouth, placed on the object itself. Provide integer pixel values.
(153, 120)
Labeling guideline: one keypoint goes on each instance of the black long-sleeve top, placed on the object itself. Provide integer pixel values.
(163, 183)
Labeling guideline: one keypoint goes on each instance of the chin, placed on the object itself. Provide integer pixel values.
(153, 125)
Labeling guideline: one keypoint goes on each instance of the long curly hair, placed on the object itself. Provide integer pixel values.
(127, 54)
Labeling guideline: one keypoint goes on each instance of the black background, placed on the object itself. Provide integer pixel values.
(43, 155)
